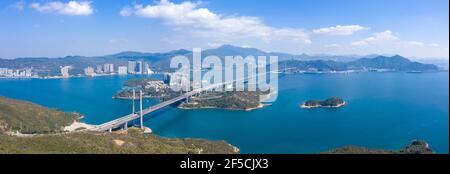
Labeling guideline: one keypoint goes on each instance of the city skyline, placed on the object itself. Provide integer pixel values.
(94, 28)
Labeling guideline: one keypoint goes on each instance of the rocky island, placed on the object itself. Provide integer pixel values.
(333, 102)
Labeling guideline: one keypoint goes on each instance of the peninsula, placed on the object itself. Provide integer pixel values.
(46, 134)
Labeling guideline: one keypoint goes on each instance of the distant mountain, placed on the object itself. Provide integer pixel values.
(394, 63)
(229, 50)
(397, 63)
(161, 61)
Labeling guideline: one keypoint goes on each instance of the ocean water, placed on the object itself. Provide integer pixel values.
(384, 110)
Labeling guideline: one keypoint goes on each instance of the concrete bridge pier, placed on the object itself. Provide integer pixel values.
(134, 97)
(141, 114)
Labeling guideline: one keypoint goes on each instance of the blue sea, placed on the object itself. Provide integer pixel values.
(384, 111)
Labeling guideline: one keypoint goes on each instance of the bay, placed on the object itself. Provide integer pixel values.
(384, 111)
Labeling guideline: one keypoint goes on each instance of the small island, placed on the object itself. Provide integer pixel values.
(230, 100)
(333, 102)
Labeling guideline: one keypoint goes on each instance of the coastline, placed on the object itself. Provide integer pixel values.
(77, 125)
(231, 109)
(303, 106)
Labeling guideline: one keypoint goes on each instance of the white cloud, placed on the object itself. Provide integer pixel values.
(126, 11)
(332, 46)
(413, 43)
(340, 30)
(434, 45)
(387, 38)
(72, 8)
(202, 22)
(377, 38)
(19, 5)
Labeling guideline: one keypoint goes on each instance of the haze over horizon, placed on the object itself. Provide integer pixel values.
(59, 28)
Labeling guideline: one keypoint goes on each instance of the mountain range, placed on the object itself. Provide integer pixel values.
(45, 66)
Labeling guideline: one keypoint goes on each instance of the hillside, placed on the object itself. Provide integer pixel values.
(29, 118)
(394, 63)
(415, 147)
(160, 61)
(131, 142)
(397, 63)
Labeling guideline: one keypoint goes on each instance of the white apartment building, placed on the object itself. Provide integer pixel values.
(65, 71)
(122, 70)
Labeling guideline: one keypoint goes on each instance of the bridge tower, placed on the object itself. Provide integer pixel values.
(134, 98)
(140, 105)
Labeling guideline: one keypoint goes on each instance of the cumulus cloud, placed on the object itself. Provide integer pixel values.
(340, 30)
(189, 16)
(71, 8)
(377, 38)
(333, 46)
(387, 38)
(19, 5)
(126, 11)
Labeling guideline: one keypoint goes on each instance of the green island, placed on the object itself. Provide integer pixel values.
(415, 147)
(231, 100)
(333, 102)
(41, 130)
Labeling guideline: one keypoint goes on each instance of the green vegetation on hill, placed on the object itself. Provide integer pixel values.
(234, 100)
(240, 100)
(160, 62)
(29, 118)
(416, 147)
(330, 102)
(131, 142)
(151, 88)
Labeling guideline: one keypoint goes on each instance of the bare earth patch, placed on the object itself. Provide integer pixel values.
(119, 142)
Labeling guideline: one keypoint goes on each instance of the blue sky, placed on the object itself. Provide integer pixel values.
(413, 28)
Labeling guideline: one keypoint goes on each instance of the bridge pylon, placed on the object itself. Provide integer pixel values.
(140, 106)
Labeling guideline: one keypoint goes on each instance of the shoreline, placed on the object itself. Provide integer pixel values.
(303, 106)
(77, 125)
(230, 109)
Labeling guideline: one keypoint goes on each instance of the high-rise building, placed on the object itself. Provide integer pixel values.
(131, 67)
(122, 70)
(28, 72)
(147, 69)
(111, 68)
(99, 69)
(65, 71)
(108, 68)
(105, 68)
(139, 67)
(89, 71)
